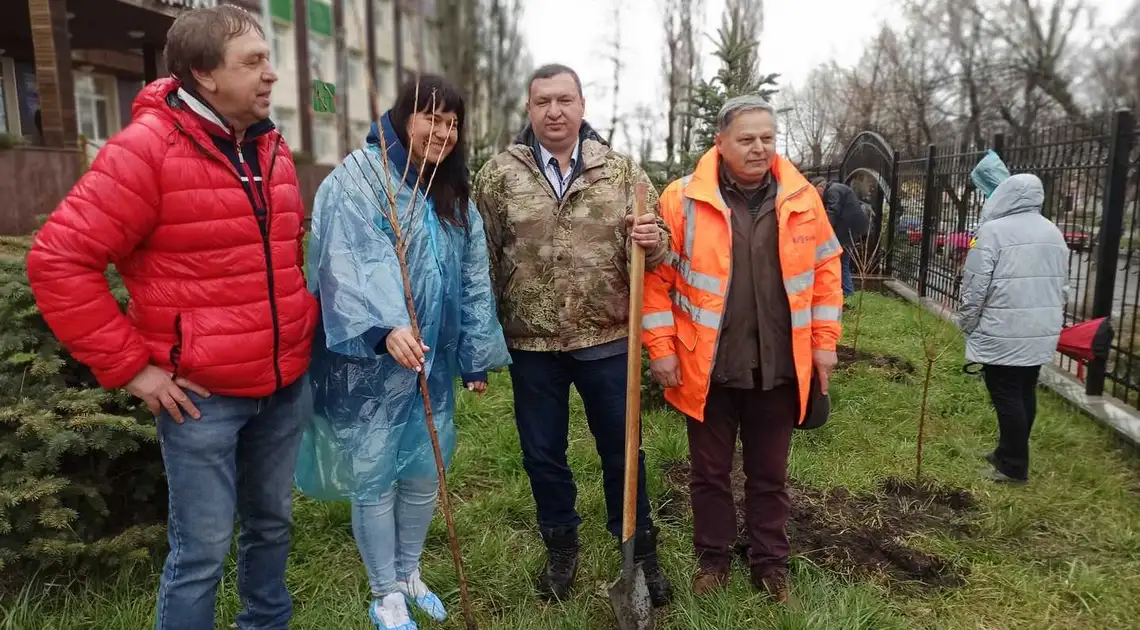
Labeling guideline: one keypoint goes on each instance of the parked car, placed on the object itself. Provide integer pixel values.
(1076, 235)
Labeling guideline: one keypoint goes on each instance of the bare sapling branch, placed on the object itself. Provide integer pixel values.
(937, 339)
(866, 259)
(390, 187)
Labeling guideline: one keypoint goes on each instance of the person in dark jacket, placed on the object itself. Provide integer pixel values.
(196, 203)
(848, 220)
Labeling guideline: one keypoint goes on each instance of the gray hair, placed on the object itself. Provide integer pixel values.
(740, 104)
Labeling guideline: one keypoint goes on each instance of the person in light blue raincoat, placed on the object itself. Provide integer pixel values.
(367, 362)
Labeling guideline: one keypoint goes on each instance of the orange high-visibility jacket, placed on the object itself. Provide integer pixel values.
(684, 296)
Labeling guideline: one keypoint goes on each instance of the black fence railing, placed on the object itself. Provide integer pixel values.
(1091, 174)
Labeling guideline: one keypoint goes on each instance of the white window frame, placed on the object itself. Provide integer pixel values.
(286, 119)
(93, 98)
(11, 124)
(357, 72)
(321, 67)
(280, 60)
(324, 138)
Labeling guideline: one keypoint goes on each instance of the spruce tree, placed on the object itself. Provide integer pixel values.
(737, 50)
(81, 477)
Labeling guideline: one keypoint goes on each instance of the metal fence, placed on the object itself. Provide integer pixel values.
(1091, 174)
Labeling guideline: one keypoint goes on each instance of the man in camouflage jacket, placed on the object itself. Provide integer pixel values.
(557, 206)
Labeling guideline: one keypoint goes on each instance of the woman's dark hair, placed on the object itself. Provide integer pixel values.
(452, 188)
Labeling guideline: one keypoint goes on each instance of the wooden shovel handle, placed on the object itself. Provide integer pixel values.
(633, 374)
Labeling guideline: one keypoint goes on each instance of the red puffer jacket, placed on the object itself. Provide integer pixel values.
(214, 271)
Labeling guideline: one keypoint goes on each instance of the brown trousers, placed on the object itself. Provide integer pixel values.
(764, 420)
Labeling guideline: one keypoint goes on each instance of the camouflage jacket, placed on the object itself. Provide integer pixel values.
(561, 268)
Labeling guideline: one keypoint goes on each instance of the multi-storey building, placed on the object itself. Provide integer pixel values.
(418, 51)
(69, 69)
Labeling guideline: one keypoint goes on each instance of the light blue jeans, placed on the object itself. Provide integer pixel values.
(237, 460)
(390, 531)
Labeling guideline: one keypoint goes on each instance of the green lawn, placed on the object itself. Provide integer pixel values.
(1063, 552)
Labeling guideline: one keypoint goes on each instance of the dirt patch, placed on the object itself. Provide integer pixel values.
(897, 368)
(859, 535)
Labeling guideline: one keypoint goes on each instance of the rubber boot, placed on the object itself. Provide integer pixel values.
(645, 552)
(561, 568)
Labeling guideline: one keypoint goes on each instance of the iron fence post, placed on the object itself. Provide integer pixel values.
(1111, 227)
(893, 210)
(929, 199)
(999, 145)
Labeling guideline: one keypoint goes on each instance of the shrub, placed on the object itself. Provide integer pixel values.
(303, 158)
(10, 141)
(81, 478)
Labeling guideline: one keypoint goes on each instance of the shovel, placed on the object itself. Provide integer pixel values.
(629, 595)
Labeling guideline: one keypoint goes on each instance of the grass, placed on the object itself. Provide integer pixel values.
(1063, 552)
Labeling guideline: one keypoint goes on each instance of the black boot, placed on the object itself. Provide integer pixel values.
(561, 564)
(645, 552)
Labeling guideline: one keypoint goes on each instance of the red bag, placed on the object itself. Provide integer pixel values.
(1087, 341)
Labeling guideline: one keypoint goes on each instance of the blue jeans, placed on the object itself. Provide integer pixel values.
(390, 531)
(541, 382)
(848, 281)
(239, 457)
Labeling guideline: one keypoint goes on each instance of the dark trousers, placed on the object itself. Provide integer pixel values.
(764, 420)
(541, 383)
(1013, 391)
(847, 280)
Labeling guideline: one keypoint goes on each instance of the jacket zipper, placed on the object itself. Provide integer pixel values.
(176, 349)
(728, 285)
(727, 288)
(262, 214)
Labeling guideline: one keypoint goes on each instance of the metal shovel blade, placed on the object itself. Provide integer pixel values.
(629, 598)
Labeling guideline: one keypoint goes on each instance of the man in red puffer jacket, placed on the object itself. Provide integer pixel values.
(196, 203)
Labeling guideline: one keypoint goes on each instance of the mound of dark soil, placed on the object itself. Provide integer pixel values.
(864, 535)
(898, 368)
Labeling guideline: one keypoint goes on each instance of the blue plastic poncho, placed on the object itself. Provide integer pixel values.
(989, 172)
(372, 404)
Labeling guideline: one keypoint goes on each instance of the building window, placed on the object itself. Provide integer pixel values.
(383, 76)
(319, 59)
(92, 107)
(354, 12)
(281, 48)
(324, 140)
(3, 99)
(360, 130)
(356, 72)
(285, 120)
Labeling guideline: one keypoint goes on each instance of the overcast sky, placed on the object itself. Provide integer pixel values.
(798, 35)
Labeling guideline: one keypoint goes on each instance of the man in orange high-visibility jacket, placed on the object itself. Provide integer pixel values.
(735, 320)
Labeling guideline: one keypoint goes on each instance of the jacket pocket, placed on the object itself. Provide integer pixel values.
(803, 229)
(686, 333)
(181, 352)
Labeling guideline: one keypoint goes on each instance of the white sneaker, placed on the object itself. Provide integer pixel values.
(391, 613)
(421, 596)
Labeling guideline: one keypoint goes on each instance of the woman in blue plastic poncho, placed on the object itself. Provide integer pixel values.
(367, 362)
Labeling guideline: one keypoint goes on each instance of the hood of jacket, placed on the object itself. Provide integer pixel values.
(1019, 194)
(171, 100)
(383, 136)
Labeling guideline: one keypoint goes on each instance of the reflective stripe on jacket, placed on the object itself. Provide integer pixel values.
(685, 296)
